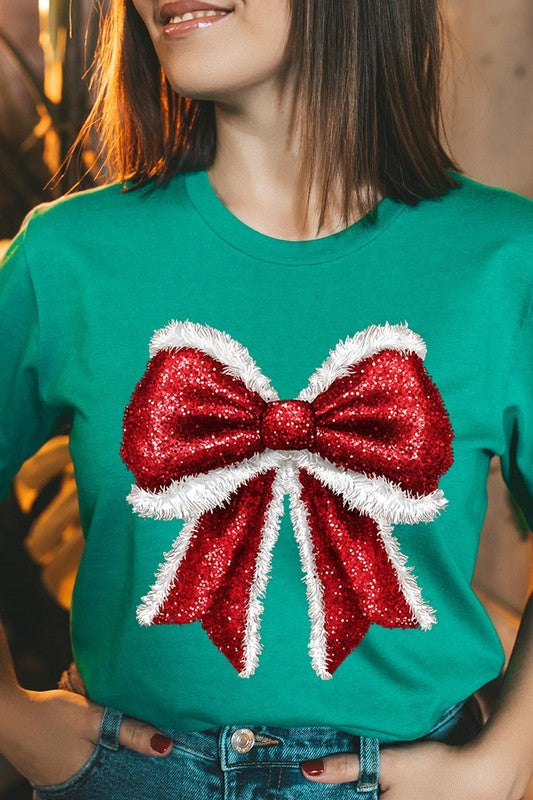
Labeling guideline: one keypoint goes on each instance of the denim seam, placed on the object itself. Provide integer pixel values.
(75, 782)
(199, 753)
(265, 764)
(222, 750)
(110, 725)
(449, 715)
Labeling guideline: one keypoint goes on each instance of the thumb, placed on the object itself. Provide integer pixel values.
(336, 768)
(143, 738)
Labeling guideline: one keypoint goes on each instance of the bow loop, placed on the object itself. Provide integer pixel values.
(362, 448)
(188, 416)
(385, 418)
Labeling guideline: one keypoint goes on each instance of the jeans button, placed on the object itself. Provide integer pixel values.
(242, 740)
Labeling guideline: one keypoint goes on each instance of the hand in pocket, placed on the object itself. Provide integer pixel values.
(49, 736)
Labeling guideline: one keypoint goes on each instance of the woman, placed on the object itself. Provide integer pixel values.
(289, 207)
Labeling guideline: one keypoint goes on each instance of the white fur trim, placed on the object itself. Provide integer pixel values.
(298, 512)
(424, 614)
(375, 496)
(219, 345)
(355, 348)
(154, 600)
(193, 495)
(190, 497)
(286, 481)
(252, 645)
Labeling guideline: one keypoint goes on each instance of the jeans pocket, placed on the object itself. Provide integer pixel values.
(72, 784)
(460, 724)
(107, 743)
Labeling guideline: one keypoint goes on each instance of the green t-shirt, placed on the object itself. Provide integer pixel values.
(265, 585)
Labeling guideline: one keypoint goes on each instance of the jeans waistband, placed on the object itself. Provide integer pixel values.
(268, 743)
(272, 744)
(242, 744)
(234, 748)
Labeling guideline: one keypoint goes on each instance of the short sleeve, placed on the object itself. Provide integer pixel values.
(517, 458)
(25, 421)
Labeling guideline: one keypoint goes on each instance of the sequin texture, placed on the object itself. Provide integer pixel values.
(205, 413)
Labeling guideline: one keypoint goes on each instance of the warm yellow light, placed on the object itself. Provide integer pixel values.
(44, 6)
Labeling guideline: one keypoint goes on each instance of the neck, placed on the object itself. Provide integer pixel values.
(255, 172)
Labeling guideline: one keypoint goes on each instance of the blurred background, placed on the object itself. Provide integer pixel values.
(46, 47)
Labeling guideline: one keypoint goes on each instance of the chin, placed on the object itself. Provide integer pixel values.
(219, 93)
(195, 93)
(186, 83)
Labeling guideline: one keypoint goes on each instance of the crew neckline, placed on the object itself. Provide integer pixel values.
(260, 246)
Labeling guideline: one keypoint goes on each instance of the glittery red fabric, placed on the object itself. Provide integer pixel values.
(386, 418)
(188, 416)
(213, 582)
(359, 583)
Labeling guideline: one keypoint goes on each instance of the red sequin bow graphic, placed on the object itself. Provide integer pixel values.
(361, 448)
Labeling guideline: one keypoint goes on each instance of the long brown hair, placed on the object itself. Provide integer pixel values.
(368, 72)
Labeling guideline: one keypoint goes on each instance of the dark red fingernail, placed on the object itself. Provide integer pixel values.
(315, 767)
(159, 742)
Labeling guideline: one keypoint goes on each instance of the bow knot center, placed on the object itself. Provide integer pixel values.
(288, 425)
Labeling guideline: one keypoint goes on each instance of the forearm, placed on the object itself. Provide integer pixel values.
(10, 691)
(8, 678)
(508, 733)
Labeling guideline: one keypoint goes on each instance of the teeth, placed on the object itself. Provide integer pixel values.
(196, 15)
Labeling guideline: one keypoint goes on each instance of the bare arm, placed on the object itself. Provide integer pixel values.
(496, 765)
(508, 733)
(10, 691)
(49, 735)
(7, 670)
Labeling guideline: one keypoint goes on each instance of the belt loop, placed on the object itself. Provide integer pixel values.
(110, 727)
(368, 764)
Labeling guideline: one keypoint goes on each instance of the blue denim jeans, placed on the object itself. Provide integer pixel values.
(239, 763)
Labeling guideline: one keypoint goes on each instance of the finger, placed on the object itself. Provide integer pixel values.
(143, 738)
(388, 758)
(337, 768)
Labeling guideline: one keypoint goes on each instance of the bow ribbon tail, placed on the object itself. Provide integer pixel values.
(355, 574)
(217, 569)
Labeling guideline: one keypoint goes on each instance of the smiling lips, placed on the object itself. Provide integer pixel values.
(180, 11)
